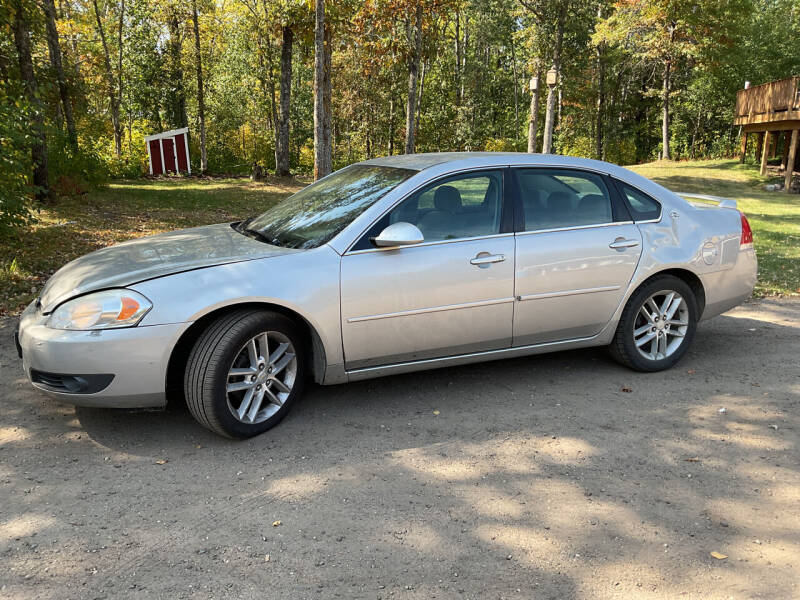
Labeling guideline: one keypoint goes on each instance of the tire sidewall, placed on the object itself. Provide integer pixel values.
(664, 282)
(226, 353)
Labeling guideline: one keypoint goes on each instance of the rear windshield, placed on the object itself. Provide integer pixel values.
(315, 214)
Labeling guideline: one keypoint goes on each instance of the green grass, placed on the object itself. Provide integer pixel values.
(774, 216)
(119, 211)
(127, 209)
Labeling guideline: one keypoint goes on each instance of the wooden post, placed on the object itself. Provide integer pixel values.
(786, 141)
(787, 186)
(765, 152)
(744, 147)
(759, 145)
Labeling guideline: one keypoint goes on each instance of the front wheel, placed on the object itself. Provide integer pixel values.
(244, 373)
(657, 325)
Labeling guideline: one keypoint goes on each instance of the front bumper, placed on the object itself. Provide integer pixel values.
(136, 357)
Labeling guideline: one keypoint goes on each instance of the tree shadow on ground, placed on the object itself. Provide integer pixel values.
(533, 477)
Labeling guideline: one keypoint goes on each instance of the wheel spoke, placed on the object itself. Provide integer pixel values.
(662, 346)
(654, 347)
(646, 314)
(281, 387)
(644, 339)
(652, 303)
(238, 386)
(281, 364)
(263, 340)
(279, 351)
(676, 333)
(667, 302)
(248, 397)
(641, 330)
(252, 353)
(676, 304)
(255, 406)
(242, 371)
(273, 398)
(677, 322)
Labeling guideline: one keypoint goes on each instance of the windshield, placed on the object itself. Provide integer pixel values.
(315, 214)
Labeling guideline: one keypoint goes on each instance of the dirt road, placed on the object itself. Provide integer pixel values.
(560, 476)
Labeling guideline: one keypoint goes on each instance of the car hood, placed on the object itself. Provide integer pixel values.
(154, 256)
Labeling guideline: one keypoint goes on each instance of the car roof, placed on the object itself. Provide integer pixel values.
(420, 162)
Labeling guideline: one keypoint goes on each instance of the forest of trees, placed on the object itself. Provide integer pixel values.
(299, 86)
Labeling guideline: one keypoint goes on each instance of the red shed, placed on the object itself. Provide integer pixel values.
(168, 152)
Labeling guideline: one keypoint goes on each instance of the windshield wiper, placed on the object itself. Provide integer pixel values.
(255, 233)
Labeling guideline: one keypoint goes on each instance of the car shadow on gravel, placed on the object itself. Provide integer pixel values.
(555, 476)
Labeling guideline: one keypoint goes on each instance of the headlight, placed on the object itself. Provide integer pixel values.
(101, 310)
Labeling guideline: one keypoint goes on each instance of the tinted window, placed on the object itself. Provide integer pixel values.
(554, 198)
(315, 214)
(642, 206)
(464, 206)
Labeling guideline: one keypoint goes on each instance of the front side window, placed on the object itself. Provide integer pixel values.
(315, 214)
(463, 206)
(556, 198)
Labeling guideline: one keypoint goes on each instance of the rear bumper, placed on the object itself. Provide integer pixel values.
(729, 288)
(127, 366)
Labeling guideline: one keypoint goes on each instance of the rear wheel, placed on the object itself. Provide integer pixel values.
(244, 373)
(657, 325)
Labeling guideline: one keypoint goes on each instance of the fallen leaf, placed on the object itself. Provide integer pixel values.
(199, 446)
(266, 558)
(162, 461)
(691, 371)
(436, 412)
(692, 459)
(276, 523)
(718, 555)
(627, 390)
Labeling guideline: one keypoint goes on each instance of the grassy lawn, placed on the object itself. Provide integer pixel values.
(774, 216)
(126, 209)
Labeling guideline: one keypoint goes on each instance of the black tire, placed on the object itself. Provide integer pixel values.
(623, 347)
(212, 357)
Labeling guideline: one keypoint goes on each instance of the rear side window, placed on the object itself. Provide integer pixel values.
(641, 206)
(556, 198)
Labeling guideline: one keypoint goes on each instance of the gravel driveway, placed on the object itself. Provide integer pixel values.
(559, 476)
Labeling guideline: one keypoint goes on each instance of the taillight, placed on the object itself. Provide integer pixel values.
(747, 233)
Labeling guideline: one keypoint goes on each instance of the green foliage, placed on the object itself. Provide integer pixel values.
(15, 159)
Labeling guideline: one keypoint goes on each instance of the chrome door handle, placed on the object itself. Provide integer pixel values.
(485, 259)
(620, 243)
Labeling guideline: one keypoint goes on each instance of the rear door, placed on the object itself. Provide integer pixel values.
(451, 294)
(576, 251)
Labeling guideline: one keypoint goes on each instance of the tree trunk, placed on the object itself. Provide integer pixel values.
(423, 71)
(459, 52)
(665, 153)
(112, 94)
(552, 90)
(322, 145)
(282, 132)
(533, 122)
(58, 68)
(177, 101)
(201, 105)
(391, 124)
(413, 75)
(601, 95)
(516, 82)
(22, 41)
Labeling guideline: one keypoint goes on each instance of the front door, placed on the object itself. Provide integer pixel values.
(576, 252)
(451, 294)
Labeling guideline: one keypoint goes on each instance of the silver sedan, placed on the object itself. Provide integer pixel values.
(388, 266)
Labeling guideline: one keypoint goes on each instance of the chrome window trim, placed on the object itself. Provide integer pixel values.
(432, 309)
(414, 191)
(575, 228)
(433, 243)
(559, 167)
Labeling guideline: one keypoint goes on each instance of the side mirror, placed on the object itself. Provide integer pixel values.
(398, 234)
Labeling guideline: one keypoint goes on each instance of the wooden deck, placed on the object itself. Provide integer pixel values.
(770, 103)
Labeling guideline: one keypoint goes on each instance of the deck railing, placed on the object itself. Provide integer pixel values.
(769, 101)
